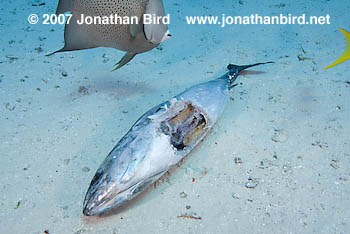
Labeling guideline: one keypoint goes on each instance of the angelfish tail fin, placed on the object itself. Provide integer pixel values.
(346, 54)
(124, 60)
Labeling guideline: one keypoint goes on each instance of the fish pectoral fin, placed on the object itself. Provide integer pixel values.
(134, 29)
(63, 6)
(346, 54)
(124, 60)
(142, 185)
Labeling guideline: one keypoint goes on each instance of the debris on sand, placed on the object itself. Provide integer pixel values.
(190, 216)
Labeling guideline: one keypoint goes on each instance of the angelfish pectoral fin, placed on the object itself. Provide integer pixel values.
(135, 28)
(346, 53)
(126, 58)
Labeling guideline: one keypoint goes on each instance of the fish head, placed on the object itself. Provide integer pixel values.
(105, 194)
(157, 31)
(102, 194)
(112, 185)
(120, 177)
(166, 36)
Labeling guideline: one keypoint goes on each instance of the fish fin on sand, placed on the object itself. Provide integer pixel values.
(346, 53)
(75, 37)
(64, 6)
(126, 58)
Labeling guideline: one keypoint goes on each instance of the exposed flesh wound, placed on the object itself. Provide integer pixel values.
(184, 127)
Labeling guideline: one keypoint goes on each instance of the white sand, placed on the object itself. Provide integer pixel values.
(49, 136)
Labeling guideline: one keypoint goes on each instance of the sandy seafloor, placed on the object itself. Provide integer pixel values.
(286, 128)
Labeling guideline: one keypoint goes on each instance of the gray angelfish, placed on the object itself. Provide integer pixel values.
(132, 38)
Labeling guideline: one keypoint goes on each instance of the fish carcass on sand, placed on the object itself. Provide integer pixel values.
(132, 37)
(157, 141)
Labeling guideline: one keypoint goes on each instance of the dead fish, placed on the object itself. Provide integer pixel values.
(132, 37)
(157, 141)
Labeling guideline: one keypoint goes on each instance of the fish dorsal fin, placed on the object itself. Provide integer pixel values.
(64, 6)
(155, 32)
(76, 37)
(346, 54)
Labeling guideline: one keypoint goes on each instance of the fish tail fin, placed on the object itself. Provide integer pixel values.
(346, 54)
(124, 60)
(234, 70)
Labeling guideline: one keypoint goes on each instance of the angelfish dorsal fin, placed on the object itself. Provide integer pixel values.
(64, 6)
(75, 37)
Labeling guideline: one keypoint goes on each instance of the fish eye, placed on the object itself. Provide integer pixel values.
(169, 35)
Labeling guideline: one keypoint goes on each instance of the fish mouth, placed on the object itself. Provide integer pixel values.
(89, 211)
(100, 195)
(95, 205)
(99, 199)
(91, 208)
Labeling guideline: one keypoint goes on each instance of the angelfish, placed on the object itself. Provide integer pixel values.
(346, 54)
(134, 38)
(157, 141)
